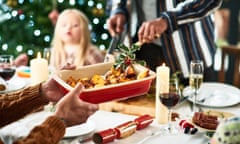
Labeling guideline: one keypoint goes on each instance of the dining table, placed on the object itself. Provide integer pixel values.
(102, 120)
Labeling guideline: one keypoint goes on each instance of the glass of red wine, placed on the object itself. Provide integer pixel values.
(170, 98)
(7, 67)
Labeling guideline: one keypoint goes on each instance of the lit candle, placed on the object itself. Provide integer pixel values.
(162, 86)
(39, 69)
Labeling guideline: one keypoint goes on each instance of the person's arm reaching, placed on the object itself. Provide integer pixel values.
(185, 12)
(70, 111)
(118, 18)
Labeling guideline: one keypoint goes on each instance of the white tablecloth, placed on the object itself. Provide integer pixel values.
(104, 120)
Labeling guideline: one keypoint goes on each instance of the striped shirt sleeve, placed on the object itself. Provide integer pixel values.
(189, 11)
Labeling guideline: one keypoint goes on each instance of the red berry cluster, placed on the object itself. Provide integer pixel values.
(188, 127)
(128, 61)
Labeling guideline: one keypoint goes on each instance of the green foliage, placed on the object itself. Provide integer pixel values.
(127, 56)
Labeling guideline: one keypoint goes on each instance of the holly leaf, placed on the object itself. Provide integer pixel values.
(127, 56)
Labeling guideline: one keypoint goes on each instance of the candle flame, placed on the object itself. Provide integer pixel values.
(38, 55)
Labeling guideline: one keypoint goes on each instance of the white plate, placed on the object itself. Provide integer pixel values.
(77, 130)
(217, 94)
(80, 130)
(14, 84)
(25, 125)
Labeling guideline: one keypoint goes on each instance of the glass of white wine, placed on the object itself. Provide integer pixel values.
(196, 79)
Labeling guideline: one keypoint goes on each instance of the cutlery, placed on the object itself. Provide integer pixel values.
(113, 44)
(183, 99)
(202, 100)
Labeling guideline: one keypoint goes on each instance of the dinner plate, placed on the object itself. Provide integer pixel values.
(14, 84)
(80, 130)
(215, 94)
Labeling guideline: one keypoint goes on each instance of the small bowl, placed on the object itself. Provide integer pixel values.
(109, 92)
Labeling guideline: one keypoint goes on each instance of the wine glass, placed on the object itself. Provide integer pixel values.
(170, 98)
(7, 67)
(47, 54)
(196, 79)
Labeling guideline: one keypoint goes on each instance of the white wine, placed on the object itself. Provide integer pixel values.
(195, 81)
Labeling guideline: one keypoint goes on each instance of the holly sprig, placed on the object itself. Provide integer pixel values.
(127, 56)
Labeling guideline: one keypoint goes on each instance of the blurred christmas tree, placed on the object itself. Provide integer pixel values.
(26, 26)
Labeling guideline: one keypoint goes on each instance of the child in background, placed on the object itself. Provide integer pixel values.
(71, 42)
(21, 60)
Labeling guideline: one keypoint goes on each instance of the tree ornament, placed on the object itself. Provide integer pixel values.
(20, 11)
(12, 3)
(97, 12)
(94, 11)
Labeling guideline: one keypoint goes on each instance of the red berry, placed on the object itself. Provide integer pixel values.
(128, 61)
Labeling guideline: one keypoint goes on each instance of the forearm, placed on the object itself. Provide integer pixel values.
(120, 7)
(50, 132)
(189, 11)
(16, 105)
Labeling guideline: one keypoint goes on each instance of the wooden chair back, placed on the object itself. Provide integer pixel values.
(235, 52)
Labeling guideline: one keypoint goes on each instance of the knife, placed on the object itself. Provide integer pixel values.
(113, 44)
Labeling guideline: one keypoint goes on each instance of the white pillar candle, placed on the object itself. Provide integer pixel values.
(162, 86)
(39, 69)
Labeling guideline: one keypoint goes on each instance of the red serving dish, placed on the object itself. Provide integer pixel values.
(109, 92)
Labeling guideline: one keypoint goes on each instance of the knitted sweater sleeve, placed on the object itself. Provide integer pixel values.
(15, 105)
(49, 132)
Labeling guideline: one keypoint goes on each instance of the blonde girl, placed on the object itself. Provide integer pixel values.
(71, 42)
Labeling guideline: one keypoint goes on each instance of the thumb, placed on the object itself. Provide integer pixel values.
(77, 90)
(119, 26)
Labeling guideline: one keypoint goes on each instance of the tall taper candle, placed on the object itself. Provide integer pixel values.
(39, 69)
(162, 85)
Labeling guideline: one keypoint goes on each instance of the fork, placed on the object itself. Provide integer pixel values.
(202, 100)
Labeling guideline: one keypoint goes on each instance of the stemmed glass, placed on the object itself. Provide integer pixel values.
(47, 54)
(170, 99)
(7, 67)
(196, 79)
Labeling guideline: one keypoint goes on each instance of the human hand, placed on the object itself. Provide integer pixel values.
(72, 109)
(50, 91)
(21, 60)
(152, 29)
(68, 66)
(116, 24)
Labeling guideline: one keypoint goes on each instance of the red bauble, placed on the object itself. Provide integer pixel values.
(20, 11)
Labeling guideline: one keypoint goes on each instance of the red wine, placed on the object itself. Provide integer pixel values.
(169, 99)
(7, 73)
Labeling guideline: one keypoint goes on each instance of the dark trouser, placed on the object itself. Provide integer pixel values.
(152, 54)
